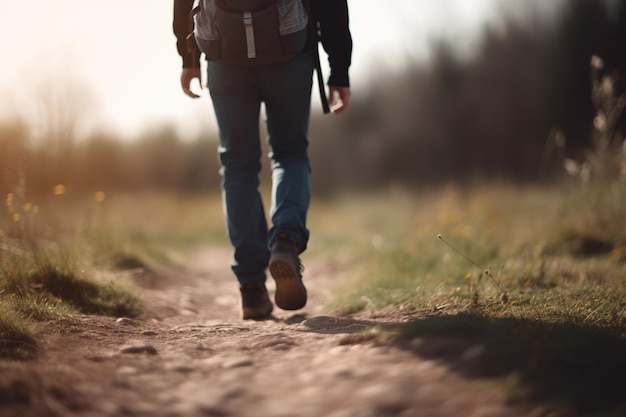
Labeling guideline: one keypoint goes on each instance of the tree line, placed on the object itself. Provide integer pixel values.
(512, 110)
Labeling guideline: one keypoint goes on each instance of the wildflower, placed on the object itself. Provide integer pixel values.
(27, 207)
(9, 199)
(59, 189)
(100, 196)
(16, 217)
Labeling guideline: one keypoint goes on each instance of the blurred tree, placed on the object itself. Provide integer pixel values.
(157, 159)
(496, 114)
(100, 162)
(491, 114)
(583, 30)
(14, 154)
(201, 167)
(64, 105)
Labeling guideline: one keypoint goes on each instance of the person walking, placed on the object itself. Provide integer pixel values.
(237, 92)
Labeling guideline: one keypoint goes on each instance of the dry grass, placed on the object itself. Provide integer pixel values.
(528, 278)
(555, 252)
(76, 254)
(527, 243)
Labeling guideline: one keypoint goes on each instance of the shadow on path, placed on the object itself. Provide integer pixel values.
(580, 368)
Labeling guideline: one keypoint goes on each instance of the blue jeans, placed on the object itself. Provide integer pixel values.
(237, 93)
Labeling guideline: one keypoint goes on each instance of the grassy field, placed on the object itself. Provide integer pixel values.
(530, 279)
(73, 254)
(505, 250)
(530, 282)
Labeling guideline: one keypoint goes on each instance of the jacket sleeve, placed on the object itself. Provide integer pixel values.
(183, 26)
(334, 28)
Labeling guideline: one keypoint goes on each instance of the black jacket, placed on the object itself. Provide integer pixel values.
(331, 15)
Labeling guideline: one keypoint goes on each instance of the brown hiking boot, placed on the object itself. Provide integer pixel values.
(255, 301)
(286, 269)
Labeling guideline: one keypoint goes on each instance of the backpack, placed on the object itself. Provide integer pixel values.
(251, 32)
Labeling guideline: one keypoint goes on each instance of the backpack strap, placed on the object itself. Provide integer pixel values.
(313, 30)
(192, 46)
(250, 43)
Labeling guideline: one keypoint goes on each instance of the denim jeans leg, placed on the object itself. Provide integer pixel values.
(236, 102)
(286, 91)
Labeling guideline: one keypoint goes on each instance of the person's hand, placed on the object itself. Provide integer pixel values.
(186, 76)
(339, 99)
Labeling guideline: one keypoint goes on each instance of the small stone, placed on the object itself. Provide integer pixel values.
(126, 371)
(237, 363)
(201, 346)
(379, 391)
(417, 343)
(473, 353)
(137, 348)
(149, 333)
(126, 321)
(98, 357)
(320, 322)
(216, 360)
(338, 350)
(183, 368)
(187, 312)
(282, 346)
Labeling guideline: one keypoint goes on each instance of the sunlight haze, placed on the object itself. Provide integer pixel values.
(119, 59)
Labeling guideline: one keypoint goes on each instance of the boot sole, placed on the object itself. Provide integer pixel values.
(290, 291)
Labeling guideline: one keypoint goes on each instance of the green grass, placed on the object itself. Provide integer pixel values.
(523, 237)
(511, 279)
(509, 274)
(142, 230)
(17, 336)
(76, 254)
(44, 285)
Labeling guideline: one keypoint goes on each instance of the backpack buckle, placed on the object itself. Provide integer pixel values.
(248, 24)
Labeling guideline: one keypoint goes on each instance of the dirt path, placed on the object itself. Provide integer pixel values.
(196, 357)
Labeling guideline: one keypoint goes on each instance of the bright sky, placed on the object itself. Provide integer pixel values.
(123, 53)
